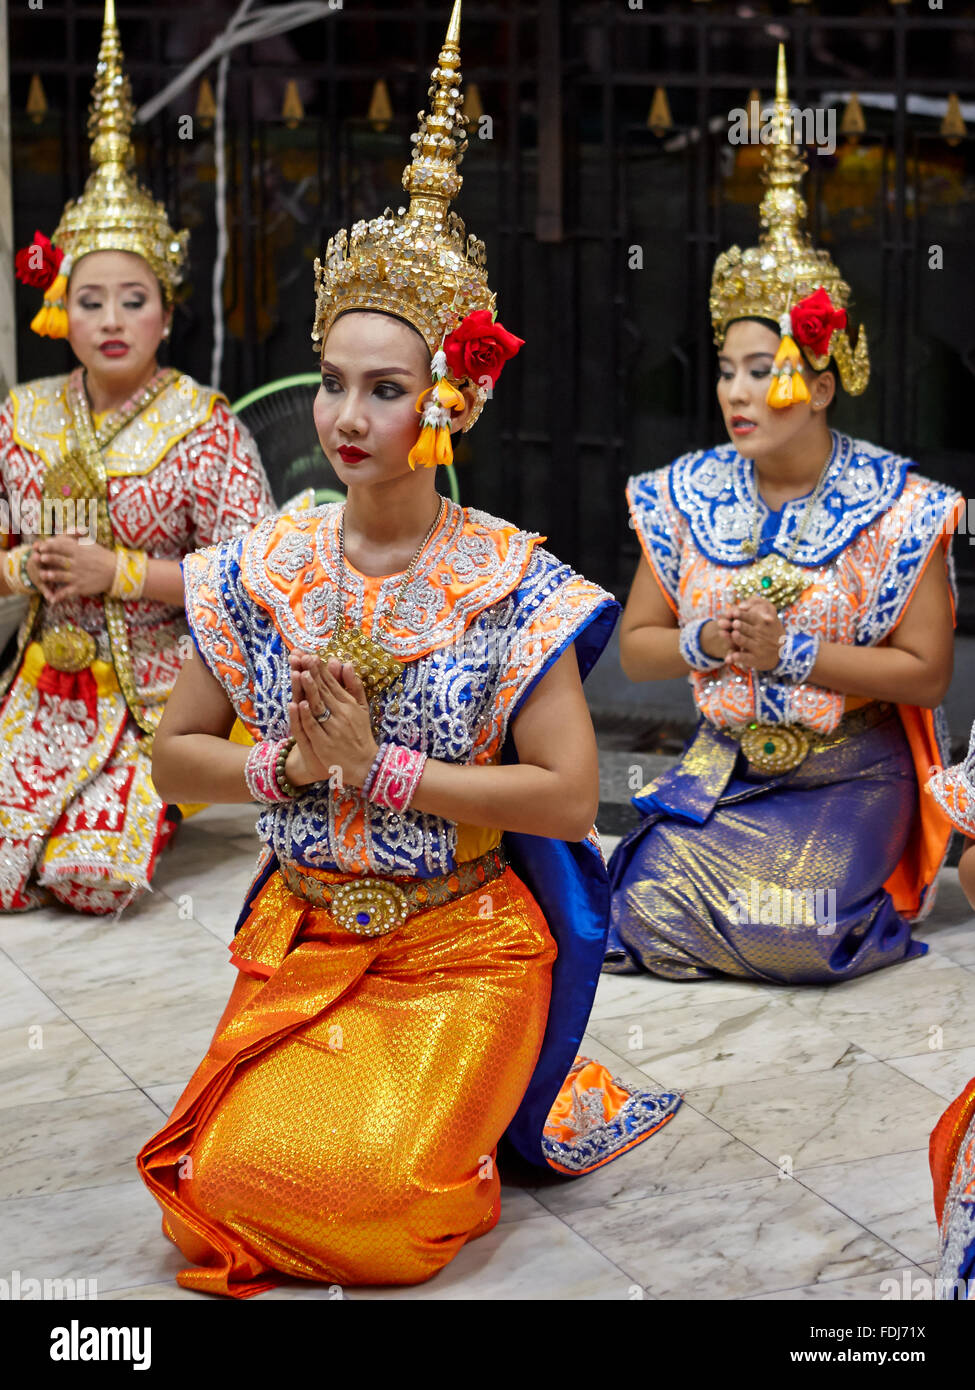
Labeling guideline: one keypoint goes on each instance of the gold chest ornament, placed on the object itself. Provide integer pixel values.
(377, 668)
(775, 748)
(775, 577)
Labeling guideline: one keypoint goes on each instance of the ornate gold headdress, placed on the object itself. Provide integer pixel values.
(416, 263)
(420, 265)
(114, 213)
(771, 279)
(419, 262)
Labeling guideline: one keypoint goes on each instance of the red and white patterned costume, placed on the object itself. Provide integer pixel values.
(80, 820)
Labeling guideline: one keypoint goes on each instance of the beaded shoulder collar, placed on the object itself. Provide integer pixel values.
(290, 568)
(714, 490)
(42, 422)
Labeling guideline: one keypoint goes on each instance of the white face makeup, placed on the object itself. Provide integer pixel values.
(116, 318)
(744, 375)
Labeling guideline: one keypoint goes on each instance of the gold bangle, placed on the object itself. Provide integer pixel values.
(15, 570)
(131, 568)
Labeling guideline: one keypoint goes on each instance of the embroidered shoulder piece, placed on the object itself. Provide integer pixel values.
(42, 424)
(552, 608)
(227, 632)
(953, 788)
(956, 1263)
(659, 525)
(899, 546)
(715, 491)
(291, 569)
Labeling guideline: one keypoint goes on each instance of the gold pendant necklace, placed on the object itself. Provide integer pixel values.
(775, 577)
(374, 665)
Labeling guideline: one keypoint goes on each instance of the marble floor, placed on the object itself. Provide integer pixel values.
(796, 1168)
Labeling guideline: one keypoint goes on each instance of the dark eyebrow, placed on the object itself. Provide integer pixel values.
(722, 357)
(382, 371)
(126, 285)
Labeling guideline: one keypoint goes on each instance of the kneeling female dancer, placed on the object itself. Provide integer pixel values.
(411, 669)
(801, 577)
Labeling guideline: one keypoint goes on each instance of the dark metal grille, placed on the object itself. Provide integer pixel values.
(618, 372)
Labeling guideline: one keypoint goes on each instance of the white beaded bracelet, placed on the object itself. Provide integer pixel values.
(691, 649)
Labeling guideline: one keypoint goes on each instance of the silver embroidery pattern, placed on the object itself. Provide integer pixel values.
(209, 613)
(597, 1140)
(918, 518)
(455, 702)
(291, 555)
(958, 1227)
(715, 491)
(425, 613)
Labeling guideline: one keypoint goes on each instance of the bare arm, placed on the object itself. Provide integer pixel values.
(164, 582)
(649, 633)
(192, 759)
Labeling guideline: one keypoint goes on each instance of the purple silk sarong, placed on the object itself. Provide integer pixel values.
(778, 878)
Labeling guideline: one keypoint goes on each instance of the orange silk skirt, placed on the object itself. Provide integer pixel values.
(343, 1124)
(946, 1141)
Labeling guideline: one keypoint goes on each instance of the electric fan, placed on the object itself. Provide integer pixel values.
(279, 416)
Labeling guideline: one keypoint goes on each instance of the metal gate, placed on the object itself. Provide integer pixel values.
(601, 231)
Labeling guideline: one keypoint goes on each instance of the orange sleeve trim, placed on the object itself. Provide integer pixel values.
(943, 541)
(928, 843)
(648, 556)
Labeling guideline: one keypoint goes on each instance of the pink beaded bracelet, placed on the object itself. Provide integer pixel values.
(395, 782)
(260, 771)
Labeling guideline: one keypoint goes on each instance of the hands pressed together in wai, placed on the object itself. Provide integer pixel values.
(329, 717)
(748, 634)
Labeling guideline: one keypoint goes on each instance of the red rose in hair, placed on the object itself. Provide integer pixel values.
(37, 265)
(479, 347)
(813, 322)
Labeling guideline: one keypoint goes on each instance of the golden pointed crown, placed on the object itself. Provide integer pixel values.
(417, 263)
(115, 213)
(767, 280)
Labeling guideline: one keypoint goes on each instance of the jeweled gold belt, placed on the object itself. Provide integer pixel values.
(67, 647)
(375, 906)
(781, 747)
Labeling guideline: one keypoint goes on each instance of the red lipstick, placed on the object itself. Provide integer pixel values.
(350, 454)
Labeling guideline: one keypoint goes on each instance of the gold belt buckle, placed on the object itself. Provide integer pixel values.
(774, 747)
(369, 907)
(68, 648)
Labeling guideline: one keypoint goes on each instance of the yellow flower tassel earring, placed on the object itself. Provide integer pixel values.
(51, 319)
(787, 386)
(436, 405)
(44, 266)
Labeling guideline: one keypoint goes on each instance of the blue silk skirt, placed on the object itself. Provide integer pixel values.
(767, 877)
